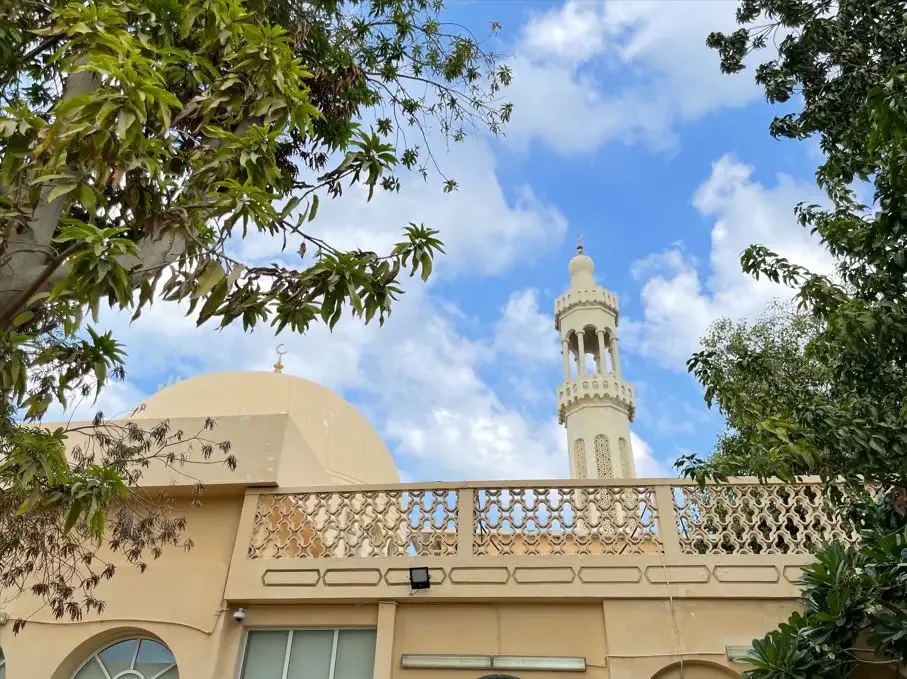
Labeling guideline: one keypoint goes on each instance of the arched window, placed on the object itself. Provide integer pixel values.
(579, 458)
(603, 457)
(136, 658)
(626, 463)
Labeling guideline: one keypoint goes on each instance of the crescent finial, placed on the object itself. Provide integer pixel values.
(278, 367)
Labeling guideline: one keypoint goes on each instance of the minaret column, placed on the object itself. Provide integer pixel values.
(565, 352)
(615, 359)
(580, 355)
(602, 364)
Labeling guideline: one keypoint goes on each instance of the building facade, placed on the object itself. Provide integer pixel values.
(312, 561)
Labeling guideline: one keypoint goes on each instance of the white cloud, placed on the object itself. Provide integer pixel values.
(680, 303)
(647, 467)
(117, 399)
(573, 33)
(587, 73)
(485, 228)
(525, 334)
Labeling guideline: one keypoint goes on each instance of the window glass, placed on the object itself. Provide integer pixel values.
(265, 653)
(153, 658)
(313, 654)
(355, 654)
(118, 657)
(310, 654)
(91, 670)
(131, 659)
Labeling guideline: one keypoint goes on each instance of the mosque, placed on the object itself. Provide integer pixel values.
(312, 561)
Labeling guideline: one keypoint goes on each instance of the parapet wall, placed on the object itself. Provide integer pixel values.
(628, 539)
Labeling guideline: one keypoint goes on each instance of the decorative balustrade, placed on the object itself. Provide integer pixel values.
(544, 519)
(751, 518)
(563, 520)
(596, 296)
(364, 523)
(594, 387)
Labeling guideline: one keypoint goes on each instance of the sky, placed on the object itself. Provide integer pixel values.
(624, 130)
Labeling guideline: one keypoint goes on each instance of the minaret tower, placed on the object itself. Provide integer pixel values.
(594, 402)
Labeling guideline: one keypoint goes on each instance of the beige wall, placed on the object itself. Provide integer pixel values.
(666, 615)
(620, 640)
(500, 629)
(178, 600)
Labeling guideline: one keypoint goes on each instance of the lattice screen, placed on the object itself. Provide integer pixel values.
(603, 457)
(756, 519)
(579, 458)
(626, 463)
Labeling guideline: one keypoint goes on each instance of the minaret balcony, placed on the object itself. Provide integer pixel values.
(589, 389)
(592, 297)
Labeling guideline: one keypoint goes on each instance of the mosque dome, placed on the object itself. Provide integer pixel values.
(346, 446)
(582, 269)
(581, 264)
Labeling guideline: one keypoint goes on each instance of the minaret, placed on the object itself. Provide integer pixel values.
(594, 402)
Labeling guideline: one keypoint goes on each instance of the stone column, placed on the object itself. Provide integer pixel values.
(580, 355)
(615, 361)
(565, 351)
(602, 363)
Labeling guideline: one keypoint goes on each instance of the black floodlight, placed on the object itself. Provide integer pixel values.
(419, 577)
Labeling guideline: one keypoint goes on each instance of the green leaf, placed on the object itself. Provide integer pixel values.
(235, 273)
(72, 516)
(23, 318)
(59, 191)
(100, 371)
(214, 300)
(314, 207)
(87, 197)
(210, 277)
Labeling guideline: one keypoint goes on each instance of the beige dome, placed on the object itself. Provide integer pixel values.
(344, 442)
(581, 264)
(582, 271)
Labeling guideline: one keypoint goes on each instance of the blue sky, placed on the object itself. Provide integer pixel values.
(623, 130)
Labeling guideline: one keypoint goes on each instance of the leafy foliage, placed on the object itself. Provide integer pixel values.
(750, 373)
(847, 422)
(139, 141)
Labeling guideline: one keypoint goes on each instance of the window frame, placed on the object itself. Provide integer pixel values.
(307, 628)
(140, 638)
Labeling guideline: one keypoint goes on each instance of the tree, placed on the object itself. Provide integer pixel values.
(845, 62)
(139, 140)
(750, 372)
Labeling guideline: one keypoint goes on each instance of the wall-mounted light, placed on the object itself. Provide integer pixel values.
(497, 662)
(419, 577)
(445, 662)
(738, 654)
(532, 662)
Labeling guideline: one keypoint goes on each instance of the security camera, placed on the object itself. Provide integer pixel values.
(239, 614)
